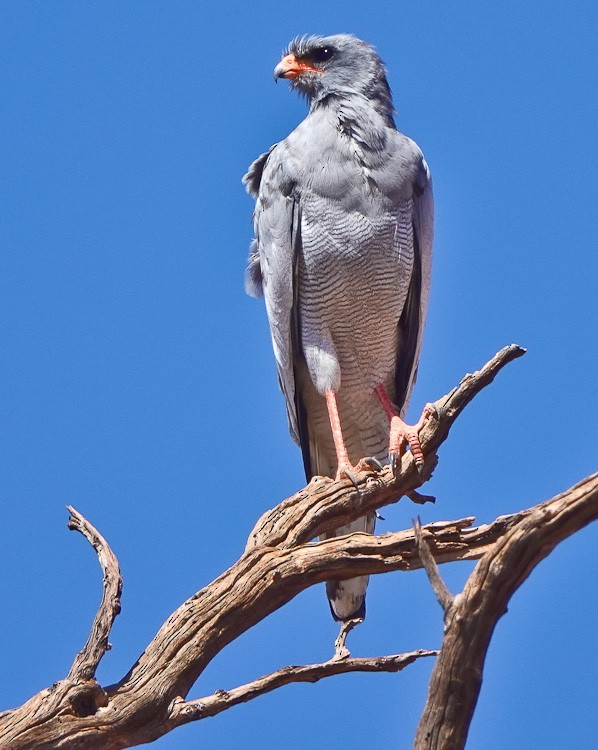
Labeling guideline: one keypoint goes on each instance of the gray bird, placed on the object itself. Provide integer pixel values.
(342, 255)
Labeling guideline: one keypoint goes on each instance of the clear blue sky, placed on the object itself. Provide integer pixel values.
(137, 381)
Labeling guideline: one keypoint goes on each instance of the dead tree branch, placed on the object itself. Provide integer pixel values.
(457, 675)
(444, 596)
(184, 712)
(325, 505)
(87, 660)
(279, 562)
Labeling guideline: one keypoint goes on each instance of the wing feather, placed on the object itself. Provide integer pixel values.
(272, 261)
(411, 323)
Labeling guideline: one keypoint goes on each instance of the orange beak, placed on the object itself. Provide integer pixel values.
(291, 67)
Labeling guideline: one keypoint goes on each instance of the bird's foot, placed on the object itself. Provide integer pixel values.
(340, 650)
(403, 435)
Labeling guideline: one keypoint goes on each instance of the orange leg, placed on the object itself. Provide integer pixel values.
(345, 467)
(342, 456)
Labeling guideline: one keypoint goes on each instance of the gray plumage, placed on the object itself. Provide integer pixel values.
(342, 255)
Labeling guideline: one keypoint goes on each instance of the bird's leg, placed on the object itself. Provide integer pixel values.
(342, 456)
(340, 650)
(345, 467)
(402, 434)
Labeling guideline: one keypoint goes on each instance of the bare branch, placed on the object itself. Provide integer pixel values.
(325, 505)
(457, 675)
(140, 708)
(444, 596)
(184, 712)
(87, 660)
(279, 562)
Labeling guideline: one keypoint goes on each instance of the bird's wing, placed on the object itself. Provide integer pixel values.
(272, 261)
(411, 323)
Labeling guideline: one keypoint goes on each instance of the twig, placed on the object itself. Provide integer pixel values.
(86, 662)
(444, 596)
(186, 711)
(340, 649)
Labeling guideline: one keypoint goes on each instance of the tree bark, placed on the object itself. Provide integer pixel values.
(470, 618)
(278, 563)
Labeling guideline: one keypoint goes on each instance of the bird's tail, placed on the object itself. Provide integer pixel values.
(346, 598)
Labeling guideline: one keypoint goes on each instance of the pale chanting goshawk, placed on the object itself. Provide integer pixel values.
(342, 255)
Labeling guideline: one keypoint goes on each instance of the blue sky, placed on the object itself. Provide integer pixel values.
(137, 381)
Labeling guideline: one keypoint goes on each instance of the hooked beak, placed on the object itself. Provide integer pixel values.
(291, 67)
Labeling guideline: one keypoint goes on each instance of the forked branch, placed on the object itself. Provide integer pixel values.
(279, 562)
(457, 675)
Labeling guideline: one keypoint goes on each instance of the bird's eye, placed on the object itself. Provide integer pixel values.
(321, 54)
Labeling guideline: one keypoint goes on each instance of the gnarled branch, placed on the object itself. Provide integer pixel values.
(325, 505)
(279, 562)
(145, 705)
(457, 675)
(87, 660)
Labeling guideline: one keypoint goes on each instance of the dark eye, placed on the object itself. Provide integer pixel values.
(321, 54)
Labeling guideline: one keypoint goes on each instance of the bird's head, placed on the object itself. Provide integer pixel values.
(334, 66)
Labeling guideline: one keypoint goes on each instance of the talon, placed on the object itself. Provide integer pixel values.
(372, 462)
(394, 462)
(348, 471)
(351, 476)
(430, 410)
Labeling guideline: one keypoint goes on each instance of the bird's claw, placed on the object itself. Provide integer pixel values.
(371, 462)
(429, 410)
(348, 471)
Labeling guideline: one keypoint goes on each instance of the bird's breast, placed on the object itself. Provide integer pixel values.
(353, 276)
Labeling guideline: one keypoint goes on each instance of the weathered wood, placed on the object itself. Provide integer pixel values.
(184, 712)
(140, 707)
(148, 701)
(443, 595)
(87, 660)
(279, 562)
(471, 619)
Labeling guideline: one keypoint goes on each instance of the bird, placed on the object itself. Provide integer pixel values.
(342, 253)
